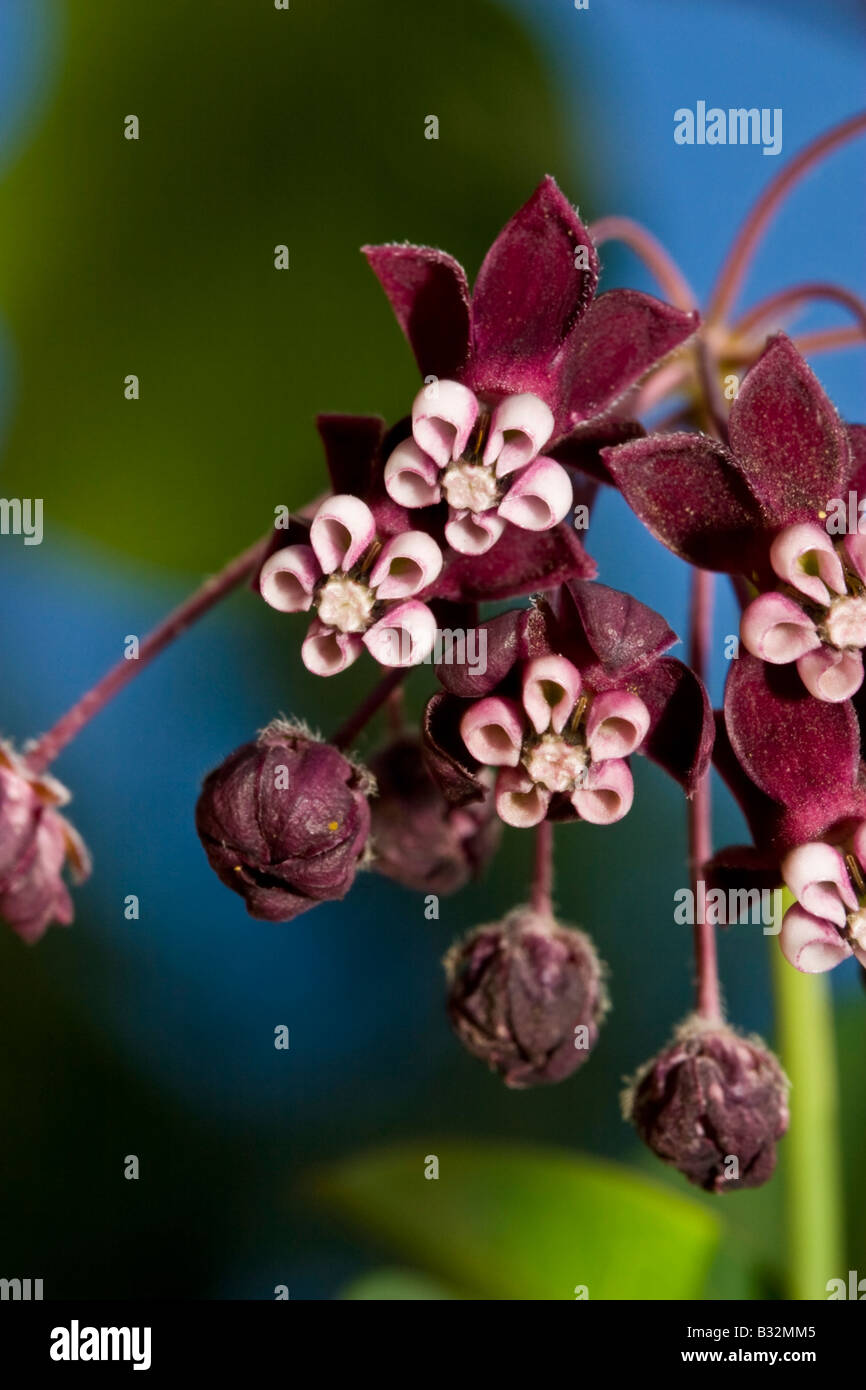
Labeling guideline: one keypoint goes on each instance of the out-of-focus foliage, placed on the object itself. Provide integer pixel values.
(505, 1222)
(155, 257)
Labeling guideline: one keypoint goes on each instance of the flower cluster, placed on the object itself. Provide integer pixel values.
(532, 395)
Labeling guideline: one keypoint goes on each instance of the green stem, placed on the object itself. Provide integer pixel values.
(810, 1156)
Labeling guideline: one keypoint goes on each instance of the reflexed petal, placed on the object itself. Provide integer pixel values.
(407, 564)
(411, 476)
(789, 442)
(859, 840)
(682, 730)
(326, 652)
(776, 629)
(518, 800)
(519, 430)
(830, 675)
(617, 725)
(404, 637)
(520, 562)
(531, 290)
(606, 795)
(797, 546)
(551, 685)
(287, 578)
(688, 491)
(622, 336)
(540, 498)
(811, 944)
(473, 534)
(342, 530)
(492, 730)
(443, 414)
(818, 877)
(624, 634)
(430, 298)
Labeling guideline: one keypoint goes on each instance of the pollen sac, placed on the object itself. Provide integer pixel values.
(713, 1104)
(284, 822)
(526, 996)
(418, 838)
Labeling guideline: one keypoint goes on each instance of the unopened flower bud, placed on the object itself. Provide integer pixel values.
(419, 839)
(35, 844)
(284, 821)
(526, 995)
(713, 1104)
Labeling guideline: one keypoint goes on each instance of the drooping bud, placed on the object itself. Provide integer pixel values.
(419, 839)
(712, 1104)
(284, 821)
(526, 996)
(35, 844)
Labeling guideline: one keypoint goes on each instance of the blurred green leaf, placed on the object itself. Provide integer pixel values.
(396, 1285)
(521, 1223)
(155, 257)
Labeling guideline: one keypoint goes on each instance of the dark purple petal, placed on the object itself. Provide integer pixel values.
(682, 730)
(519, 563)
(430, 299)
(450, 764)
(796, 749)
(857, 449)
(743, 867)
(351, 444)
(623, 334)
(580, 451)
(688, 491)
(530, 293)
(621, 636)
(790, 444)
(518, 635)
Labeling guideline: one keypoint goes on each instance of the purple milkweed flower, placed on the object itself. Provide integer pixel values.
(418, 838)
(284, 822)
(363, 590)
(760, 508)
(530, 361)
(526, 996)
(568, 694)
(827, 924)
(36, 842)
(713, 1105)
(794, 765)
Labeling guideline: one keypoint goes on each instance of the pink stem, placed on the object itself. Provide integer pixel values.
(348, 732)
(651, 252)
(739, 258)
(708, 1000)
(542, 874)
(46, 749)
(794, 298)
(828, 339)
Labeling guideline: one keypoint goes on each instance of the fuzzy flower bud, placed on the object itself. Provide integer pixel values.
(526, 996)
(419, 839)
(284, 821)
(713, 1104)
(35, 844)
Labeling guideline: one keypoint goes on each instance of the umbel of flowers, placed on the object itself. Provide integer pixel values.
(534, 391)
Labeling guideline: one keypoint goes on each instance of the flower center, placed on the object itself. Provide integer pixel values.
(857, 927)
(470, 487)
(556, 764)
(845, 622)
(345, 604)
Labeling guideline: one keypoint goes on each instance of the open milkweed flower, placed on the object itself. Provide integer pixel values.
(827, 924)
(362, 590)
(530, 359)
(760, 509)
(36, 843)
(568, 695)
